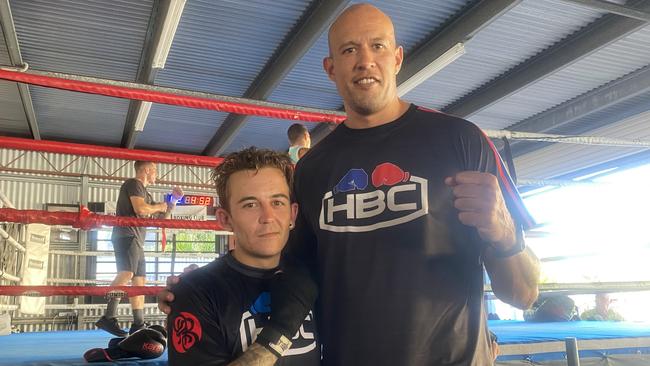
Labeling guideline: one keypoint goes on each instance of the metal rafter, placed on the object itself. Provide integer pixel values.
(460, 29)
(600, 33)
(613, 8)
(146, 73)
(302, 38)
(615, 92)
(13, 48)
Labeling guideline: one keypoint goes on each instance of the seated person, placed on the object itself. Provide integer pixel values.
(244, 308)
(602, 312)
(552, 308)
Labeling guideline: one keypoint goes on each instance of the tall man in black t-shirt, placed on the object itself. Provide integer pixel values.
(401, 209)
(128, 242)
(412, 206)
(231, 311)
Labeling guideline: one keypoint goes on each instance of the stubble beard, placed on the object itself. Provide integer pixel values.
(366, 104)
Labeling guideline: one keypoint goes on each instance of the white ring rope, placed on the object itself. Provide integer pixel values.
(93, 282)
(179, 255)
(568, 139)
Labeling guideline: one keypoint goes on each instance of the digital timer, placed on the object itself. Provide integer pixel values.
(192, 200)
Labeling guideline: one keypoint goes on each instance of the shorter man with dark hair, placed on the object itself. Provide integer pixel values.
(128, 242)
(244, 308)
(299, 141)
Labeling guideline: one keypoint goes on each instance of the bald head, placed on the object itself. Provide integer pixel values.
(354, 21)
(363, 62)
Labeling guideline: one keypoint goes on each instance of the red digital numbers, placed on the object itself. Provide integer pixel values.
(197, 200)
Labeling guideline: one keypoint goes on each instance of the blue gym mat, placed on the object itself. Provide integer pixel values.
(60, 348)
(604, 343)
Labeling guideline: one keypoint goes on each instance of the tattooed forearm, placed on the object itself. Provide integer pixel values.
(255, 355)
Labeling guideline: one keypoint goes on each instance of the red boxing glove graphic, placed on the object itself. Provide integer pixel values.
(388, 174)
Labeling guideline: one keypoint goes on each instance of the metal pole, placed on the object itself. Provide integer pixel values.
(5, 201)
(173, 252)
(572, 351)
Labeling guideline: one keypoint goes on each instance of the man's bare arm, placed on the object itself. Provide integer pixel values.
(514, 279)
(480, 204)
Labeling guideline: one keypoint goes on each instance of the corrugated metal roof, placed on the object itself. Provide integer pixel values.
(219, 47)
(560, 159)
(4, 55)
(88, 37)
(609, 63)
(173, 128)
(523, 32)
(95, 38)
(66, 115)
(12, 118)
(308, 85)
(630, 107)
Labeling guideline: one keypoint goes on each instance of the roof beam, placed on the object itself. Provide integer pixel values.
(302, 38)
(162, 11)
(613, 8)
(615, 92)
(459, 29)
(11, 39)
(598, 34)
(146, 75)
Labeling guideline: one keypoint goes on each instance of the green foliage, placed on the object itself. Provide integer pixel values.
(193, 241)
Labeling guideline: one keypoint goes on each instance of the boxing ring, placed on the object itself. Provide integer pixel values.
(599, 343)
(521, 343)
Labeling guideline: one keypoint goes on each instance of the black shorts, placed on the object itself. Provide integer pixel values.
(129, 256)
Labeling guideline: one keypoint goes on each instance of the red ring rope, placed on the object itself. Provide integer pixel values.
(87, 220)
(79, 291)
(107, 152)
(168, 97)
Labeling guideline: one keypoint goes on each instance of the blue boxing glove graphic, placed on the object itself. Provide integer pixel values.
(354, 179)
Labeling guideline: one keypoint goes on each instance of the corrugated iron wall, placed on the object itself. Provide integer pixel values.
(29, 183)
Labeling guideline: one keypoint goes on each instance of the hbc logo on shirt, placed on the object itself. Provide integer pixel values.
(398, 197)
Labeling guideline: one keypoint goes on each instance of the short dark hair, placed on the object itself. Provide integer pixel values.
(251, 158)
(295, 132)
(141, 164)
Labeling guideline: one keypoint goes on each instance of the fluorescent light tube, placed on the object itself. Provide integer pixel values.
(436, 65)
(172, 18)
(141, 118)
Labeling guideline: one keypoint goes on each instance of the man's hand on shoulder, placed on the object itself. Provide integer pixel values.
(166, 296)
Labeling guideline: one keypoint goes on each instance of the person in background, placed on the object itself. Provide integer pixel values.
(299, 141)
(128, 242)
(602, 312)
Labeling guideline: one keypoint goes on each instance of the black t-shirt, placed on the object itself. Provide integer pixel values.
(218, 311)
(131, 187)
(401, 278)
